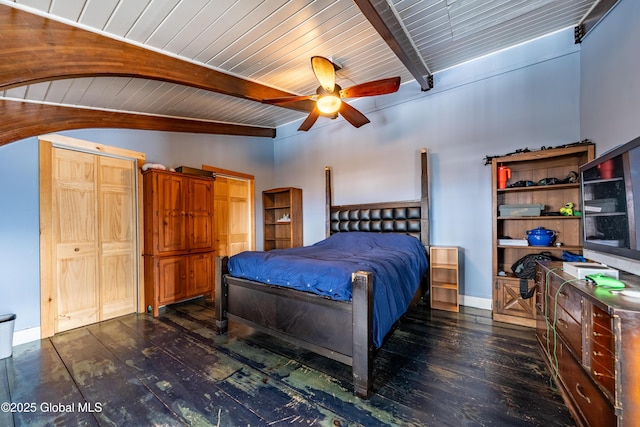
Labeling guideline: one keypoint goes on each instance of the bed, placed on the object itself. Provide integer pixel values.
(344, 323)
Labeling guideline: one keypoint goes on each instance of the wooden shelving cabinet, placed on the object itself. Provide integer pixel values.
(444, 274)
(533, 166)
(179, 244)
(282, 218)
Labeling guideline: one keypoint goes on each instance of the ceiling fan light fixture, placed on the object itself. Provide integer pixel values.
(329, 104)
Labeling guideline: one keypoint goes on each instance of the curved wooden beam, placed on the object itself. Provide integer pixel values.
(37, 49)
(23, 120)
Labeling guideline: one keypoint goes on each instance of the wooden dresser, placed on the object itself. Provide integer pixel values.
(179, 244)
(590, 338)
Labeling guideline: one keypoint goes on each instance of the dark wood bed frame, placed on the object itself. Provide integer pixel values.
(336, 329)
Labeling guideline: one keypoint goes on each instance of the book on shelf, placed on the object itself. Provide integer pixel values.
(513, 242)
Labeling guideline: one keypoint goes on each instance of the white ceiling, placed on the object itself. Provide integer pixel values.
(271, 42)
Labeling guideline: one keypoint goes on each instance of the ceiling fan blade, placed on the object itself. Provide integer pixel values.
(373, 88)
(325, 72)
(310, 120)
(353, 116)
(287, 99)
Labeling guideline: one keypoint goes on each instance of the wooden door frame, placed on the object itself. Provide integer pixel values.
(48, 293)
(251, 180)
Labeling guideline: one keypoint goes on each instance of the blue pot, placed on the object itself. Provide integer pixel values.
(540, 236)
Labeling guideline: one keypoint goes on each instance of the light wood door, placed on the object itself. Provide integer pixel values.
(94, 238)
(75, 248)
(233, 219)
(221, 208)
(117, 233)
(240, 215)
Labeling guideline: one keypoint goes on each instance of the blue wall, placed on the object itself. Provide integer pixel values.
(610, 82)
(523, 97)
(19, 233)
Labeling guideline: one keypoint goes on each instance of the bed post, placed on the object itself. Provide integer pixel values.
(221, 294)
(424, 198)
(327, 210)
(362, 314)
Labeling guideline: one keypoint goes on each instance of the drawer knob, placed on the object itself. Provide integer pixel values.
(597, 374)
(581, 393)
(597, 334)
(598, 353)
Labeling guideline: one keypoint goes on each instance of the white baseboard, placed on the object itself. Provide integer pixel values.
(26, 335)
(469, 301)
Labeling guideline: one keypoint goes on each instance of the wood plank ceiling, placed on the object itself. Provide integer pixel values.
(267, 44)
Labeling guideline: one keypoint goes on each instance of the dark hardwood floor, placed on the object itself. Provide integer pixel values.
(437, 369)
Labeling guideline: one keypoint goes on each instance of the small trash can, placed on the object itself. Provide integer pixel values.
(7, 321)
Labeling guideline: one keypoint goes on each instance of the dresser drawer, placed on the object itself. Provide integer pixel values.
(570, 330)
(602, 350)
(568, 299)
(592, 405)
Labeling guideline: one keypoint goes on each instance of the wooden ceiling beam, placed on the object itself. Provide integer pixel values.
(24, 119)
(391, 29)
(36, 49)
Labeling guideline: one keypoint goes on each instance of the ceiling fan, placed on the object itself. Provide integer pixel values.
(329, 95)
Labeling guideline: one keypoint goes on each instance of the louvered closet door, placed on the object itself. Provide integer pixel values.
(116, 212)
(75, 246)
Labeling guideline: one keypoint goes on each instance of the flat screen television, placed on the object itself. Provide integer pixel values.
(611, 207)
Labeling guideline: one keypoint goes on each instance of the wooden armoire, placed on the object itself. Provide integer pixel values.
(179, 244)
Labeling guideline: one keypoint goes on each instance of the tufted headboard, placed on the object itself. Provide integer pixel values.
(411, 217)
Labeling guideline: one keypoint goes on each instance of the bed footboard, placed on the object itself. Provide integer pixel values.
(338, 330)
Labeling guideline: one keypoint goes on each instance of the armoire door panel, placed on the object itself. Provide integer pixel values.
(172, 213)
(172, 273)
(200, 214)
(200, 274)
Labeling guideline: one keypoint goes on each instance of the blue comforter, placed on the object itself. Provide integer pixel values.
(397, 261)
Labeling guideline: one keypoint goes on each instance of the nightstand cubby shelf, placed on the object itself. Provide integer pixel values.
(444, 275)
